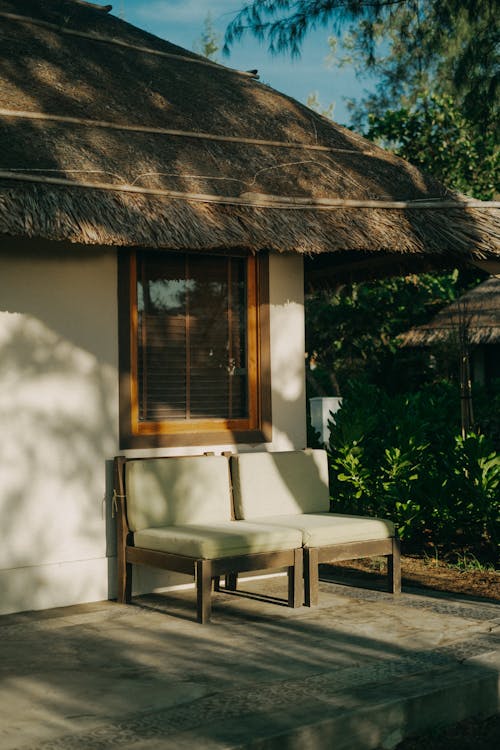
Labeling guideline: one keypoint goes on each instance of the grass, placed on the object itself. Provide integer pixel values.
(468, 562)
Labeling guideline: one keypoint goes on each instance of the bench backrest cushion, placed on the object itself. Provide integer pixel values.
(283, 483)
(178, 490)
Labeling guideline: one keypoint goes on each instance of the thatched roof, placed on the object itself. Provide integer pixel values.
(88, 104)
(478, 311)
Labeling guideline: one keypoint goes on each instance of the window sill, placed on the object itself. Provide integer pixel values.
(215, 437)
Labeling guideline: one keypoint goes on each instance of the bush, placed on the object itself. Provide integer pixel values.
(402, 457)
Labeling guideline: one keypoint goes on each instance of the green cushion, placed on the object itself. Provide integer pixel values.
(177, 490)
(323, 529)
(284, 483)
(219, 540)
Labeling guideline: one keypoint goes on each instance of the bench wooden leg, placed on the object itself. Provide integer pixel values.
(231, 581)
(124, 580)
(311, 577)
(203, 590)
(394, 568)
(295, 580)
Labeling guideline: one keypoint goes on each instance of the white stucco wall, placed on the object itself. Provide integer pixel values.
(286, 297)
(59, 412)
(59, 418)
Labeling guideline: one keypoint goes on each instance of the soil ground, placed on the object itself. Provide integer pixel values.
(428, 573)
(473, 734)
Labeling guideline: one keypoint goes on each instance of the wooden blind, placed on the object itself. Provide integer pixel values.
(192, 337)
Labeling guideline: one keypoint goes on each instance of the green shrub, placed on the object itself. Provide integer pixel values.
(402, 457)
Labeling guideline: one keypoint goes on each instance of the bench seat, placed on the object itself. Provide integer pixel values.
(219, 540)
(176, 514)
(320, 529)
(291, 489)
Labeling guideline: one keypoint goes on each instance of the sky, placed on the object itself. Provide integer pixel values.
(182, 22)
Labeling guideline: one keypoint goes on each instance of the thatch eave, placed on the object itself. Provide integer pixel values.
(107, 119)
(91, 217)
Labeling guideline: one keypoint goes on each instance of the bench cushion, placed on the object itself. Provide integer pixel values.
(219, 540)
(323, 529)
(284, 483)
(178, 490)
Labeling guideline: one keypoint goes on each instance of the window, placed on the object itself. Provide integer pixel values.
(193, 349)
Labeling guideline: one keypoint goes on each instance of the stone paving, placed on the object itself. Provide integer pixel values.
(362, 670)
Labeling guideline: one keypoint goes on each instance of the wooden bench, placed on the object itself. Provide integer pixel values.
(291, 490)
(176, 514)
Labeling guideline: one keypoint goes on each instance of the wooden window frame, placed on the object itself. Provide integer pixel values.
(256, 428)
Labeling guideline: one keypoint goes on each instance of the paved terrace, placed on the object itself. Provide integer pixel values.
(360, 671)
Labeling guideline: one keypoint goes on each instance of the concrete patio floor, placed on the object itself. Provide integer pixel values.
(362, 670)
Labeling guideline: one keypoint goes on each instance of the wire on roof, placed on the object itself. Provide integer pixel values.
(256, 200)
(25, 115)
(120, 43)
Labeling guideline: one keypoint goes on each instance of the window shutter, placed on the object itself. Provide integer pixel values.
(191, 337)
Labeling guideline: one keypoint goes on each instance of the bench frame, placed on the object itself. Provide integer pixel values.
(206, 572)
(314, 556)
(387, 546)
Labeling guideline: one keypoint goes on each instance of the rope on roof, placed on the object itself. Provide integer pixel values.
(26, 115)
(255, 200)
(121, 43)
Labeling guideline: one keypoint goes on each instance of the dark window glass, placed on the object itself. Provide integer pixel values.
(191, 337)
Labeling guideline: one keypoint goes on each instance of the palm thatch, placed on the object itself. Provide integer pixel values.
(111, 136)
(478, 311)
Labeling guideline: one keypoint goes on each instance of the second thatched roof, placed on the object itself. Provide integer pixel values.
(111, 136)
(478, 311)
